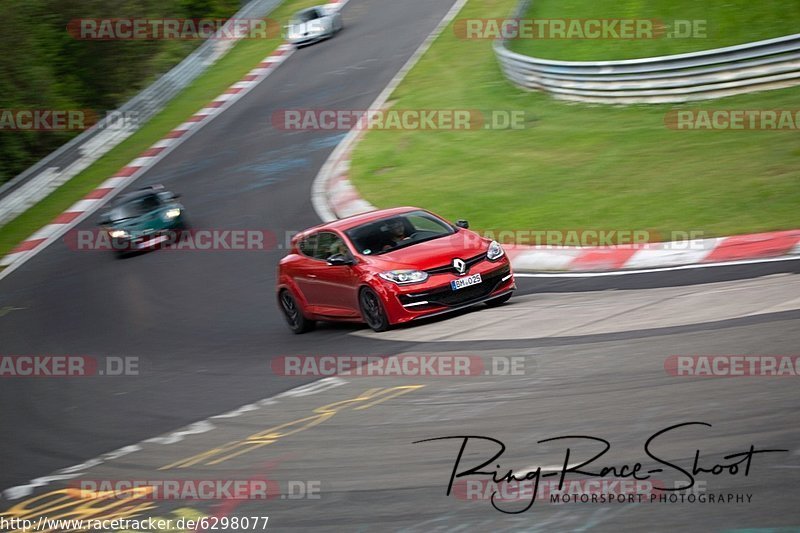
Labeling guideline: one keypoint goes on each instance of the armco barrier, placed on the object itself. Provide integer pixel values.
(745, 68)
(35, 183)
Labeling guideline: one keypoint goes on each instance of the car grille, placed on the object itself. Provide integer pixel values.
(448, 268)
(447, 297)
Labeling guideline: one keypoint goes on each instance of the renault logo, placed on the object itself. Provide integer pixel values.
(460, 266)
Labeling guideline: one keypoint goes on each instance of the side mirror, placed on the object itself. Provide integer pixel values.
(176, 195)
(104, 219)
(461, 223)
(340, 260)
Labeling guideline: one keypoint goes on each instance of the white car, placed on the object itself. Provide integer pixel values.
(313, 24)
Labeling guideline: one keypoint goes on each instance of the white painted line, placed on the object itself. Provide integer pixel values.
(651, 270)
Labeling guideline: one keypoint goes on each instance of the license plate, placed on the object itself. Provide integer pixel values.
(465, 282)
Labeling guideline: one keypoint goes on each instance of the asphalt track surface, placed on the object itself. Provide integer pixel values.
(205, 329)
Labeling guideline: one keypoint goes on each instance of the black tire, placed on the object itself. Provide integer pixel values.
(372, 310)
(124, 253)
(293, 313)
(497, 302)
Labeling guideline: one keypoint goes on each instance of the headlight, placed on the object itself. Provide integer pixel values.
(172, 213)
(118, 234)
(404, 277)
(495, 251)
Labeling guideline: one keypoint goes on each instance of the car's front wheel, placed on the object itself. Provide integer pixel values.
(293, 314)
(372, 310)
(499, 301)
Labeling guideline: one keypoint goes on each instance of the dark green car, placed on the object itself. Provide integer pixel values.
(144, 219)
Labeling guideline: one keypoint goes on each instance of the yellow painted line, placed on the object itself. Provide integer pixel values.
(7, 309)
(236, 448)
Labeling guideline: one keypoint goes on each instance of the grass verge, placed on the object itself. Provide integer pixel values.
(718, 24)
(575, 166)
(240, 59)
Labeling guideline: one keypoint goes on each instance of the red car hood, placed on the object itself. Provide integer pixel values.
(433, 253)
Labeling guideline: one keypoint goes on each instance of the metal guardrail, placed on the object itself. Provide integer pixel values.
(35, 183)
(757, 66)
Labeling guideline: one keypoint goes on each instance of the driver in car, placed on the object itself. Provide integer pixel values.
(397, 233)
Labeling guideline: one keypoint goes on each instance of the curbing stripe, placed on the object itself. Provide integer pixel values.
(28, 245)
(66, 217)
(755, 245)
(98, 194)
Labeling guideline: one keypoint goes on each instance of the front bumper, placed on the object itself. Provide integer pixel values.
(434, 297)
(303, 40)
(146, 240)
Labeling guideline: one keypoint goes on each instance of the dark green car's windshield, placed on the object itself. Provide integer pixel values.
(133, 208)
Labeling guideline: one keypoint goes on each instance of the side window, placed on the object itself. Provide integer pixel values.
(329, 244)
(308, 245)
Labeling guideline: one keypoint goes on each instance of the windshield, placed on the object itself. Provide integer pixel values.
(305, 16)
(400, 231)
(133, 208)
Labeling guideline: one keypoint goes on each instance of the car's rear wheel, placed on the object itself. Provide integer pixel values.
(372, 310)
(499, 301)
(293, 314)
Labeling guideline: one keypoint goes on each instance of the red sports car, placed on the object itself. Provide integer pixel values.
(389, 267)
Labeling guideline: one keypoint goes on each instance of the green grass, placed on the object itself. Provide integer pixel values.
(245, 55)
(726, 23)
(575, 166)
